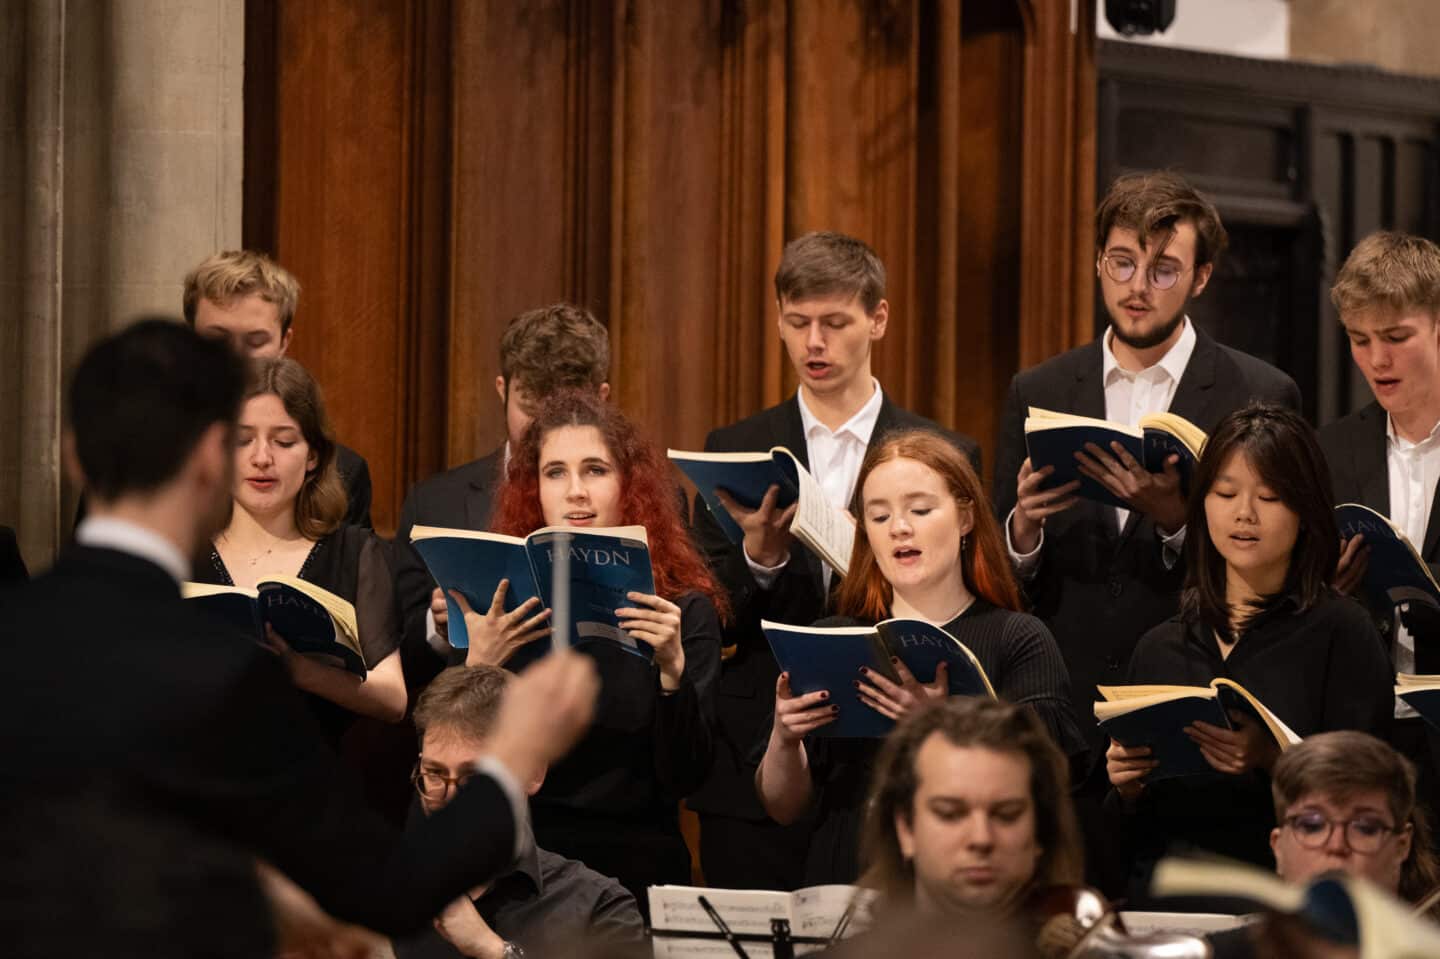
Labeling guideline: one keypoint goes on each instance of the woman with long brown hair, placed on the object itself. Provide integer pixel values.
(612, 803)
(287, 518)
(929, 548)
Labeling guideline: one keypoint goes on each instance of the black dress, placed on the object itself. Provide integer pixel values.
(354, 564)
(1318, 670)
(612, 803)
(1025, 667)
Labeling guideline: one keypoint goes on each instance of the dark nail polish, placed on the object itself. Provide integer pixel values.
(864, 671)
(825, 695)
(856, 683)
(894, 660)
(834, 709)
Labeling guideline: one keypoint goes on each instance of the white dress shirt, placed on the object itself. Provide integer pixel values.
(1130, 395)
(1413, 469)
(123, 536)
(834, 457)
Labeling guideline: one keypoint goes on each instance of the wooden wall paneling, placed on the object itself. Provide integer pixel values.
(342, 202)
(850, 162)
(426, 302)
(749, 361)
(985, 172)
(1058, 178)
(531, 187)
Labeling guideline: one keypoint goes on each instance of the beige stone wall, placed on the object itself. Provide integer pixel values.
(1398, 35)
(120, 167)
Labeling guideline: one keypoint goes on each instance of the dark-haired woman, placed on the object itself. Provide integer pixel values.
(288, 519)
(1258, 608)
(932, 550)
(613, 802)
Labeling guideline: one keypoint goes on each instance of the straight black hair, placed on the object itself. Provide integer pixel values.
(141, 399)
(1281, 448)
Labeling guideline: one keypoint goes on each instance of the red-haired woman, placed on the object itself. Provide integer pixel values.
(931, 550)
(612, 803)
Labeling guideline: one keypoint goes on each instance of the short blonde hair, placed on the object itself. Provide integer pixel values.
(225, 277)
(1392, 271)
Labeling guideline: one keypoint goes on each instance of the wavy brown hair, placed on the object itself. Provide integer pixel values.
(967, 722)
(984, 563)
(1345, 762)
(648, 494)
(321, 503)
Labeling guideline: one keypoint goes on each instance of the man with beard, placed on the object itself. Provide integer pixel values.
(1101, 576)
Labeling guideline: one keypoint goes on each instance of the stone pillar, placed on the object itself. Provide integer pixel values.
(120, 168)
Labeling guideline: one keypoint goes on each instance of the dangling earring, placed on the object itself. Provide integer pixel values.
(964, 539)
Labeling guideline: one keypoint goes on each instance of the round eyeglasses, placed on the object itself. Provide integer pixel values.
(1121, 268)
(432, 785)
(1363, 834)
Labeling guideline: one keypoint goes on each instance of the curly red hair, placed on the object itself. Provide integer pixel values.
(648, 493)
(985, 563)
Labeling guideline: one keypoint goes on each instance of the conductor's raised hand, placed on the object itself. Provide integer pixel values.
(895, 700)
(656, 623)
(496, 634)
(1034, 504)
(798, 716)
(545, 711)
(1354, 559)
(766, 527)
(1127, 767)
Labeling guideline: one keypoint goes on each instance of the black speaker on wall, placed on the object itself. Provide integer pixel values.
(1131, 17)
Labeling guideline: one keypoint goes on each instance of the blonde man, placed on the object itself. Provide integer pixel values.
(248, 300)
(1386, 455)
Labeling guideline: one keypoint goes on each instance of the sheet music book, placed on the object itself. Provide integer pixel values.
(813, 912)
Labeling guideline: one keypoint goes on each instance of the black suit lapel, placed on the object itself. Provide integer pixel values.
(1194, 397)
(1372, 468)
(480, 493)
(790, 428)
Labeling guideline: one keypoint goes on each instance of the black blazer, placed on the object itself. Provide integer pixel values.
(747, 678)
(126, 684)
(1097, 589)
(460, 498)
(12, 564)
(1355, 450)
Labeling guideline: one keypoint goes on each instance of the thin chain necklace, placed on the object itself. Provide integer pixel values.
(253, 562)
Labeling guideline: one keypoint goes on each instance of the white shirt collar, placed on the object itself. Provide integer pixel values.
(859, 426)
(106, 532)
(1396, 441)
(1173, 362)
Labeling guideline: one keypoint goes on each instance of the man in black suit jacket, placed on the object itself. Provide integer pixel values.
(1387, 454)
(249, 301)
(1098, 576)
(830, 290)
(541, 351)
(135, 690)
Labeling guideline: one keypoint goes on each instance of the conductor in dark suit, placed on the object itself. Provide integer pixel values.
(830, 291)
(541, 351)
(1386, 455)
(129, 687)
(1097, 575)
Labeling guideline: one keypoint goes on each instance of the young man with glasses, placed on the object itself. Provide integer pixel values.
(1101, 576)
(548, 904)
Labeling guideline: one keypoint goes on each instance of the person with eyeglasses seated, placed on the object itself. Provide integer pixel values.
(548, 903)
(1346, 802)
(1100, 576)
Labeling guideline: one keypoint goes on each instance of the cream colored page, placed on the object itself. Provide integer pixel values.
(819, 909)
(822, 527)
(677, 908)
